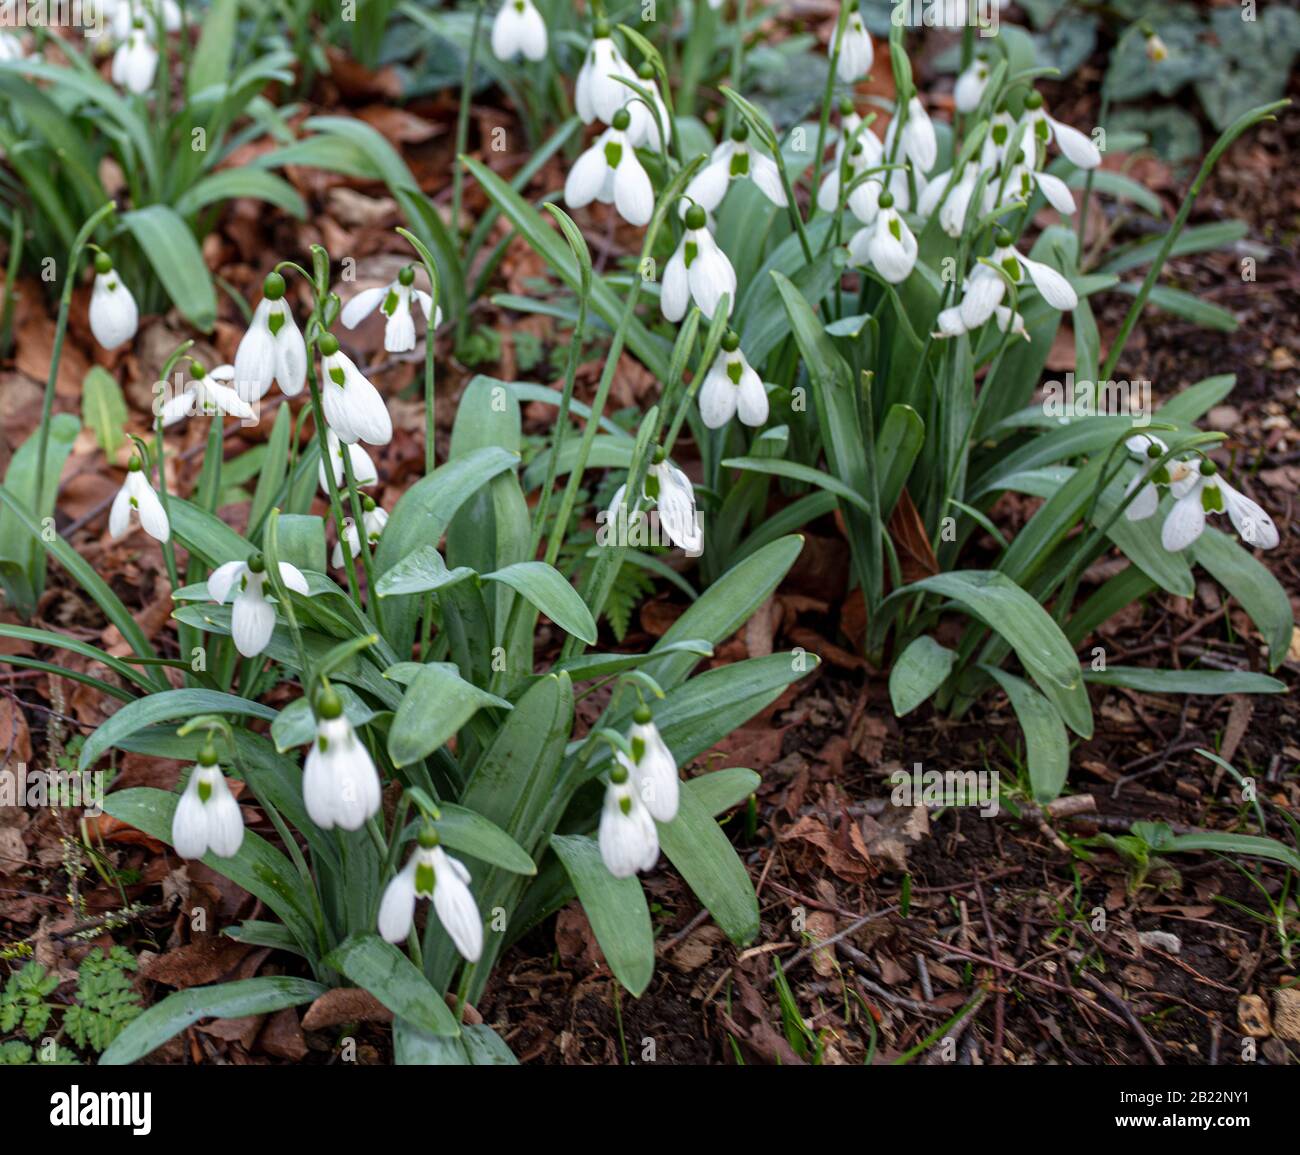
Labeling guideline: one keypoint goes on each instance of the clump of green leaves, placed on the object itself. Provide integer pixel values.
(104, 1002)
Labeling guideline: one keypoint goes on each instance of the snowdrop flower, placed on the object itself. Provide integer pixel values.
(354, 410)
(1156, 49)
(858, 143)
(1144, 505)
(363, 469)
(135, 62)
(394, 301)
(1056, 192)
(951, 324)
(952, 212)
(11, 48)
(866, 152)
(732, 386)
(114, 316)
(855, 50)
(731, 160)
(273, 348)
(985, 287)
(918, 140)
(628, 839)
(432, 873)
(697, 271)
(1206, 492)
(519, 30)
(1076, 147)
(373, 520)
(209, 394)
(207, 816)
(340, 785)
(136, 499)
(123, 15)
(610, 173)
(646, 126)
(887, 246)
(970, 86)
(597, 95)
(252, 617)
(653, 768)
(668, 488)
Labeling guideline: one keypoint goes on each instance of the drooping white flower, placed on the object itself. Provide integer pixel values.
(953, 210)
(597, 95)
(732, 386)
(1147, 447)
(698, 270)
(649, 129)
(373, 520)
(123, 15)
(354, 409)
(628, 839)
(951, 324)
(1075, 146)
(136, 499)
(732, 160)
(670, 490)
(519, 30)
(210, 393)
(1205, 493)
(887, 245)
(11, 47)
(855, 50)
(610, 172)
(1156, 49)
(114, 316)
(864, 152)
(207, 817)
(135, 63)
(394, 301)
(272, 349)
(653, 768)
(432, 873)
(340, 785)
(252, 616)
(918, 142)
(970, 86)
(985, 287)
(1055, 191)
(363, 469)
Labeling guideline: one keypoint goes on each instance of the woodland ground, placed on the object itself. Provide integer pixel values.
(998, 910)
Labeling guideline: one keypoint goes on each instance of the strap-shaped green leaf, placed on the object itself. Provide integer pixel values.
(435, 706)
(918, 671)
(548, 589)
(1047, 746)
(383, 970)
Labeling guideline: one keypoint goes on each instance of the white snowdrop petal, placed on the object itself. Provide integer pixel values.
(1056, 191)
(152, 515)
(362, 305)
(675, 292)
(252, 622)
(397, 909)
(634, 196)
(1185, 523)
(1076, 147)
(223, 578)
(1056, 290)
(293, 578)
(1254, 526)
(583, 184)
(119, 516)
(709, 185)
(456, 909)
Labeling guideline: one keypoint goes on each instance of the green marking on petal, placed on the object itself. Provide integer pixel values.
(425, 878)
(625, 805)
(338, 376)
(638, 750)
(613, 153)
(735, 370)
(1212, 499)
(1012, 267)
(205, 791)
(275, 322)
(739, 163)
(690, 252)
(896, 229)
(390, 303)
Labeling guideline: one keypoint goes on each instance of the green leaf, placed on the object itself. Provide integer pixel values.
(697, 847)
(1043, 650)
(383, 970)
(435, 706)
(1233, 844)
(259, 996)
(777, 467)
(918, 672)
(258, 867)
(1261, 595)
(215, 50)
(616, 908)
(1152, 681)
(175, 255)
(547, 589)
(463, 830)
(478, 1046)
(295, 725)
(20, 535)
(720, 791)
(591, 666)
(229, 183)
(164, 707)
(1047, 746)
(420, 572)
(103, 409)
